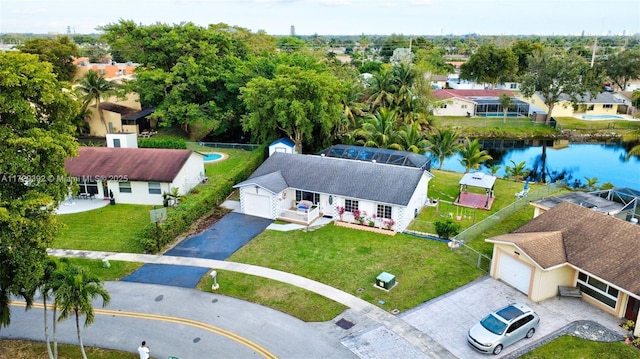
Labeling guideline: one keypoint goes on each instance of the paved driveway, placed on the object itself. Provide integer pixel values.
(447, 318)
(219, 241)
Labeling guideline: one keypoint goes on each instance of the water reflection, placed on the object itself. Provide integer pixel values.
(551, 161)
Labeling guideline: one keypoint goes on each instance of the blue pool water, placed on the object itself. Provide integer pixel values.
(602, 117)
(210, 157)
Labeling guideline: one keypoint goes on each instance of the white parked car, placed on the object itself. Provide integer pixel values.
(503, 327)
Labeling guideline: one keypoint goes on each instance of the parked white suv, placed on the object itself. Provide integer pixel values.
(503, 327)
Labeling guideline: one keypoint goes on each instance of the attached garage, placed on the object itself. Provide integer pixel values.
(257, 205)
(515, 273)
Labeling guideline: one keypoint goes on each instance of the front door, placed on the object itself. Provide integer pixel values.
(633, 305)
(105, 189)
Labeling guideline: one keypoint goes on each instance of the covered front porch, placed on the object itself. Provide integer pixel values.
(301, 212)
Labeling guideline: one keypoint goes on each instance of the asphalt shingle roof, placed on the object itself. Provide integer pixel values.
(602, 245)
(349, 178)
(137, 164)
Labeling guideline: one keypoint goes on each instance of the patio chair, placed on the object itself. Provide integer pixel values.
(522, 193)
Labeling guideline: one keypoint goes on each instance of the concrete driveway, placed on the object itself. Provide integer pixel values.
(448, 318)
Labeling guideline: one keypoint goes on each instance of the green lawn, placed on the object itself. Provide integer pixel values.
(350, 260)
(574, 123)
(495, 127)
(20, 349)
(110, 228)
(116, 270)
(569, 347)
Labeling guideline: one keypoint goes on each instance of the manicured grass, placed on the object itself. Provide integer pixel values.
(569, 347)
(286, 298)
(20, 349)
(115, 271)
(495, 127)
(110, 228)
(349, 259)
(574, 123)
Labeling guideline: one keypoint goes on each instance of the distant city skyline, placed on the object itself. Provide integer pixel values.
(335, 17)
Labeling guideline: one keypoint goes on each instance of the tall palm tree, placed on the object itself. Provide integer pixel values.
(518, 171)
(47, 286)
(443, 143)
(472, 155)
(635, 150)
(379, 130)
(75, 288)
(93, 87)
(505, 101)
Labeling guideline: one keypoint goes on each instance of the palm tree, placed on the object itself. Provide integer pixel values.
(93, 87)
(518, 171)
(381, 93)
(379, 130)
(505, 101)
(442, 144)
(75, 288)
(591, 183)
(411, 139)
(47, 286)
(472, 155)
(635, 150)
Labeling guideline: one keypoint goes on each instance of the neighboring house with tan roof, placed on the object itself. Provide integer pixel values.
(135, 175)
(570, 245)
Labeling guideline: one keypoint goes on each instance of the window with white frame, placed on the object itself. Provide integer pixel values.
(350, 205)
(383, 211)
(125, 187)
(607, 105)
(154, 188)
(598, 290)
(308, 196)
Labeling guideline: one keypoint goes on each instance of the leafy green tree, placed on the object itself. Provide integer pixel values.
(301, 103)
(472, 155)
(75, 288)
(443, 143)
(379, 130)
(523, 49)
(623, 67)
(392, 42)
(188, 73)
(93, 88)
(556, 73)
(60, 52)
(37, 137)
(96, 53)
(490, 65)
(505, 102)
(290, 44)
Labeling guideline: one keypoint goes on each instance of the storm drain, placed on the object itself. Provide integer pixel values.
(344, 324)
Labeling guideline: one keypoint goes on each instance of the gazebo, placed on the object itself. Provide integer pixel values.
(476, 200)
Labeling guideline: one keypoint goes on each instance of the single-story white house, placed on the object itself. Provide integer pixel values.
(453, 102)
(135, 175)
(301, 188)
(570, 245)
(603, 103)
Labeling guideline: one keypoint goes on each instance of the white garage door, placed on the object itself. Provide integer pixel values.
(257, 205)
(515, 273)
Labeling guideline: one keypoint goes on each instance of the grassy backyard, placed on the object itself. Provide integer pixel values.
(569, 347)
(495, 127)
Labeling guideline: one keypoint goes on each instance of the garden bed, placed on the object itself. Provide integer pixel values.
(364, 227)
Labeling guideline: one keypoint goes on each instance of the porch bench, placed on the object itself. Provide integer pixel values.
(565, 291)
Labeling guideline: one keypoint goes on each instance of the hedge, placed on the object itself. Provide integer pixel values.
(162, 143)
(199, 202)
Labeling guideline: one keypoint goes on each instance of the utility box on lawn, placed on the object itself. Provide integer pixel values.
(386, 281)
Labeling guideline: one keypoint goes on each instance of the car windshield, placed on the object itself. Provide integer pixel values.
(493, 324)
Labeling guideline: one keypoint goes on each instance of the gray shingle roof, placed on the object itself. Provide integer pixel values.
(348, 178)
(603, 97)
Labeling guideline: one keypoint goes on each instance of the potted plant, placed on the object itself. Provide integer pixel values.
(340, 212)
(111, 199)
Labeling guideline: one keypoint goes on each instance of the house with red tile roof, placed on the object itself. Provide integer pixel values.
(573, 246)
(135, 175)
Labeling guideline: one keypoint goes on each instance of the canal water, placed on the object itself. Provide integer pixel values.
(564, 161)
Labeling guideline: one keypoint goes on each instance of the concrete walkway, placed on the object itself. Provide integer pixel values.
(418, 340)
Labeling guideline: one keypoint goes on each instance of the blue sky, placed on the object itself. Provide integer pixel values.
(335, 17)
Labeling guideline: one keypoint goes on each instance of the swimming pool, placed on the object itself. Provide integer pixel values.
(212, 157)
(602, 117)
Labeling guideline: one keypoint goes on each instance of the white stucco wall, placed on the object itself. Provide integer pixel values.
(191, 174)
(139, 193)
(455, 107)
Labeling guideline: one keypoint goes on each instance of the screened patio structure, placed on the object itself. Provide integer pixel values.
(476, 200)
(379, 155)
(491, 107)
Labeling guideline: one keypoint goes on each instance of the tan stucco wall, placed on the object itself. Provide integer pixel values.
(545, 283)
(98, 128)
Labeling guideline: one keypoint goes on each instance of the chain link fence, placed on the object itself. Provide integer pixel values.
(238, 146)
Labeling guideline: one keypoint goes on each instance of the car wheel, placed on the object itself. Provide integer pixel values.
(530, 333)
(497, 349)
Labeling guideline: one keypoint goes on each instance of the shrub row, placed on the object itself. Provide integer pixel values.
(199, 202)
(162, 143)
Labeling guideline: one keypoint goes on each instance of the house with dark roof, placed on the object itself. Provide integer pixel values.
(603, 103)
(135, 175)
(571, 245)
(301, 188)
